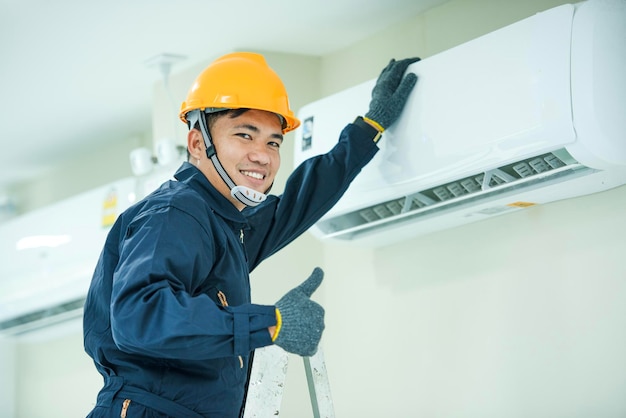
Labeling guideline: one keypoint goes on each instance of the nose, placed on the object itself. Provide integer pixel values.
(259, 154)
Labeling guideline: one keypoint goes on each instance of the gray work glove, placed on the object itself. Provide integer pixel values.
(302, 320)
(391, 92)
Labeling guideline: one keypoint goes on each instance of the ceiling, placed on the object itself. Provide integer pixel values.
(74, 72)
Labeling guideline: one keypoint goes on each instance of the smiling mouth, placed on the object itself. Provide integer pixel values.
(254, 175)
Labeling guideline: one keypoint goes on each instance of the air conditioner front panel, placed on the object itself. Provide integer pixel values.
(497, 98)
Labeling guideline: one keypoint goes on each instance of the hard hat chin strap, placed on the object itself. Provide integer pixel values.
(245, 195)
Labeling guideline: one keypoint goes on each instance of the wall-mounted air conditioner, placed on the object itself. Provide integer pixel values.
(529, 114)
(47, 256)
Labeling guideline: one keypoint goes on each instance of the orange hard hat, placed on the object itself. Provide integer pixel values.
(240, 80)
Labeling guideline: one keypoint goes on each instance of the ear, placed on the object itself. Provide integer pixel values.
(195, 144)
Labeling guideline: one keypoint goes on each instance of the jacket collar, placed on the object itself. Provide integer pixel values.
(189, 174)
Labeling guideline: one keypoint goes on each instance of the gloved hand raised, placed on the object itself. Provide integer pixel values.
(301, 320)
(391, 92)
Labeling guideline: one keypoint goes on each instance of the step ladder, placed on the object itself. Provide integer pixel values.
(267, 381)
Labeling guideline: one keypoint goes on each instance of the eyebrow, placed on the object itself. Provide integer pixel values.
(256, 130)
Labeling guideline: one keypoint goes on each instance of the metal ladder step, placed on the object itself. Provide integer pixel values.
(267, 382)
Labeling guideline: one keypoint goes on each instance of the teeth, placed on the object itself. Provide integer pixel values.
(253, 175)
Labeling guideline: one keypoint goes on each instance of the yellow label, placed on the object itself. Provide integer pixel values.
(109, 208)
(110, 201)
(108, 219)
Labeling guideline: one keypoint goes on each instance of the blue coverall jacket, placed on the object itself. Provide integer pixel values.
(168, 319)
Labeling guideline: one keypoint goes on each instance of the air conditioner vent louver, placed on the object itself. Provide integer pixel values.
(42, 318)
(495, 182)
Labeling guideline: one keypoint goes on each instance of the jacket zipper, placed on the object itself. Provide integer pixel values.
(222, 297)
(125, 406)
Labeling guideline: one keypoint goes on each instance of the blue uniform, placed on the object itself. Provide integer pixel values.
(168, 319)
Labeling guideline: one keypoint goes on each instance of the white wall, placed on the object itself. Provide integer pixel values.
(517, 316)
(55, 378)
(8, 373)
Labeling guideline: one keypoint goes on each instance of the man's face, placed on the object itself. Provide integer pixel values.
(248, 147)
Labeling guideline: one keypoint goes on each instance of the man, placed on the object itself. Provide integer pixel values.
(168, 318)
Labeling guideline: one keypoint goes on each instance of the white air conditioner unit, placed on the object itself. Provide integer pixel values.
(529, 114)
(47, 256)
